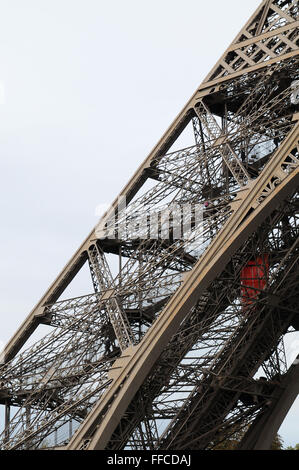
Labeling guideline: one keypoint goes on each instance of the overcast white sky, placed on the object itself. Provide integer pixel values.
(87, 87)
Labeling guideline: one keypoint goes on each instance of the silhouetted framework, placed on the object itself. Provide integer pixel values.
(181, 342)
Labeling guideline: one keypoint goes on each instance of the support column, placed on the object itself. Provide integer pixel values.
(263, 431)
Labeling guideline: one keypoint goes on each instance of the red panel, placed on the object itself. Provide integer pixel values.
(254, 278)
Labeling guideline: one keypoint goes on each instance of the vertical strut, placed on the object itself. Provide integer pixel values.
(103, 280)
(201, 336)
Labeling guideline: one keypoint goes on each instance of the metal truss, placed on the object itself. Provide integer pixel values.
(176, 349)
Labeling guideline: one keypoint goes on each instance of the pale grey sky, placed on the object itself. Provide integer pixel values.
(87, 87)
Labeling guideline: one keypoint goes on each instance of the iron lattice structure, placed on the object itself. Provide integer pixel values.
(177, 348)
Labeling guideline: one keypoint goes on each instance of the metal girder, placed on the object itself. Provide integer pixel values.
(270, 34)
(62, 281)
(103, 278)
(215, 132)
(170, 335)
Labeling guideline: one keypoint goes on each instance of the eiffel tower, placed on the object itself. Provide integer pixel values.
(193, 269)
